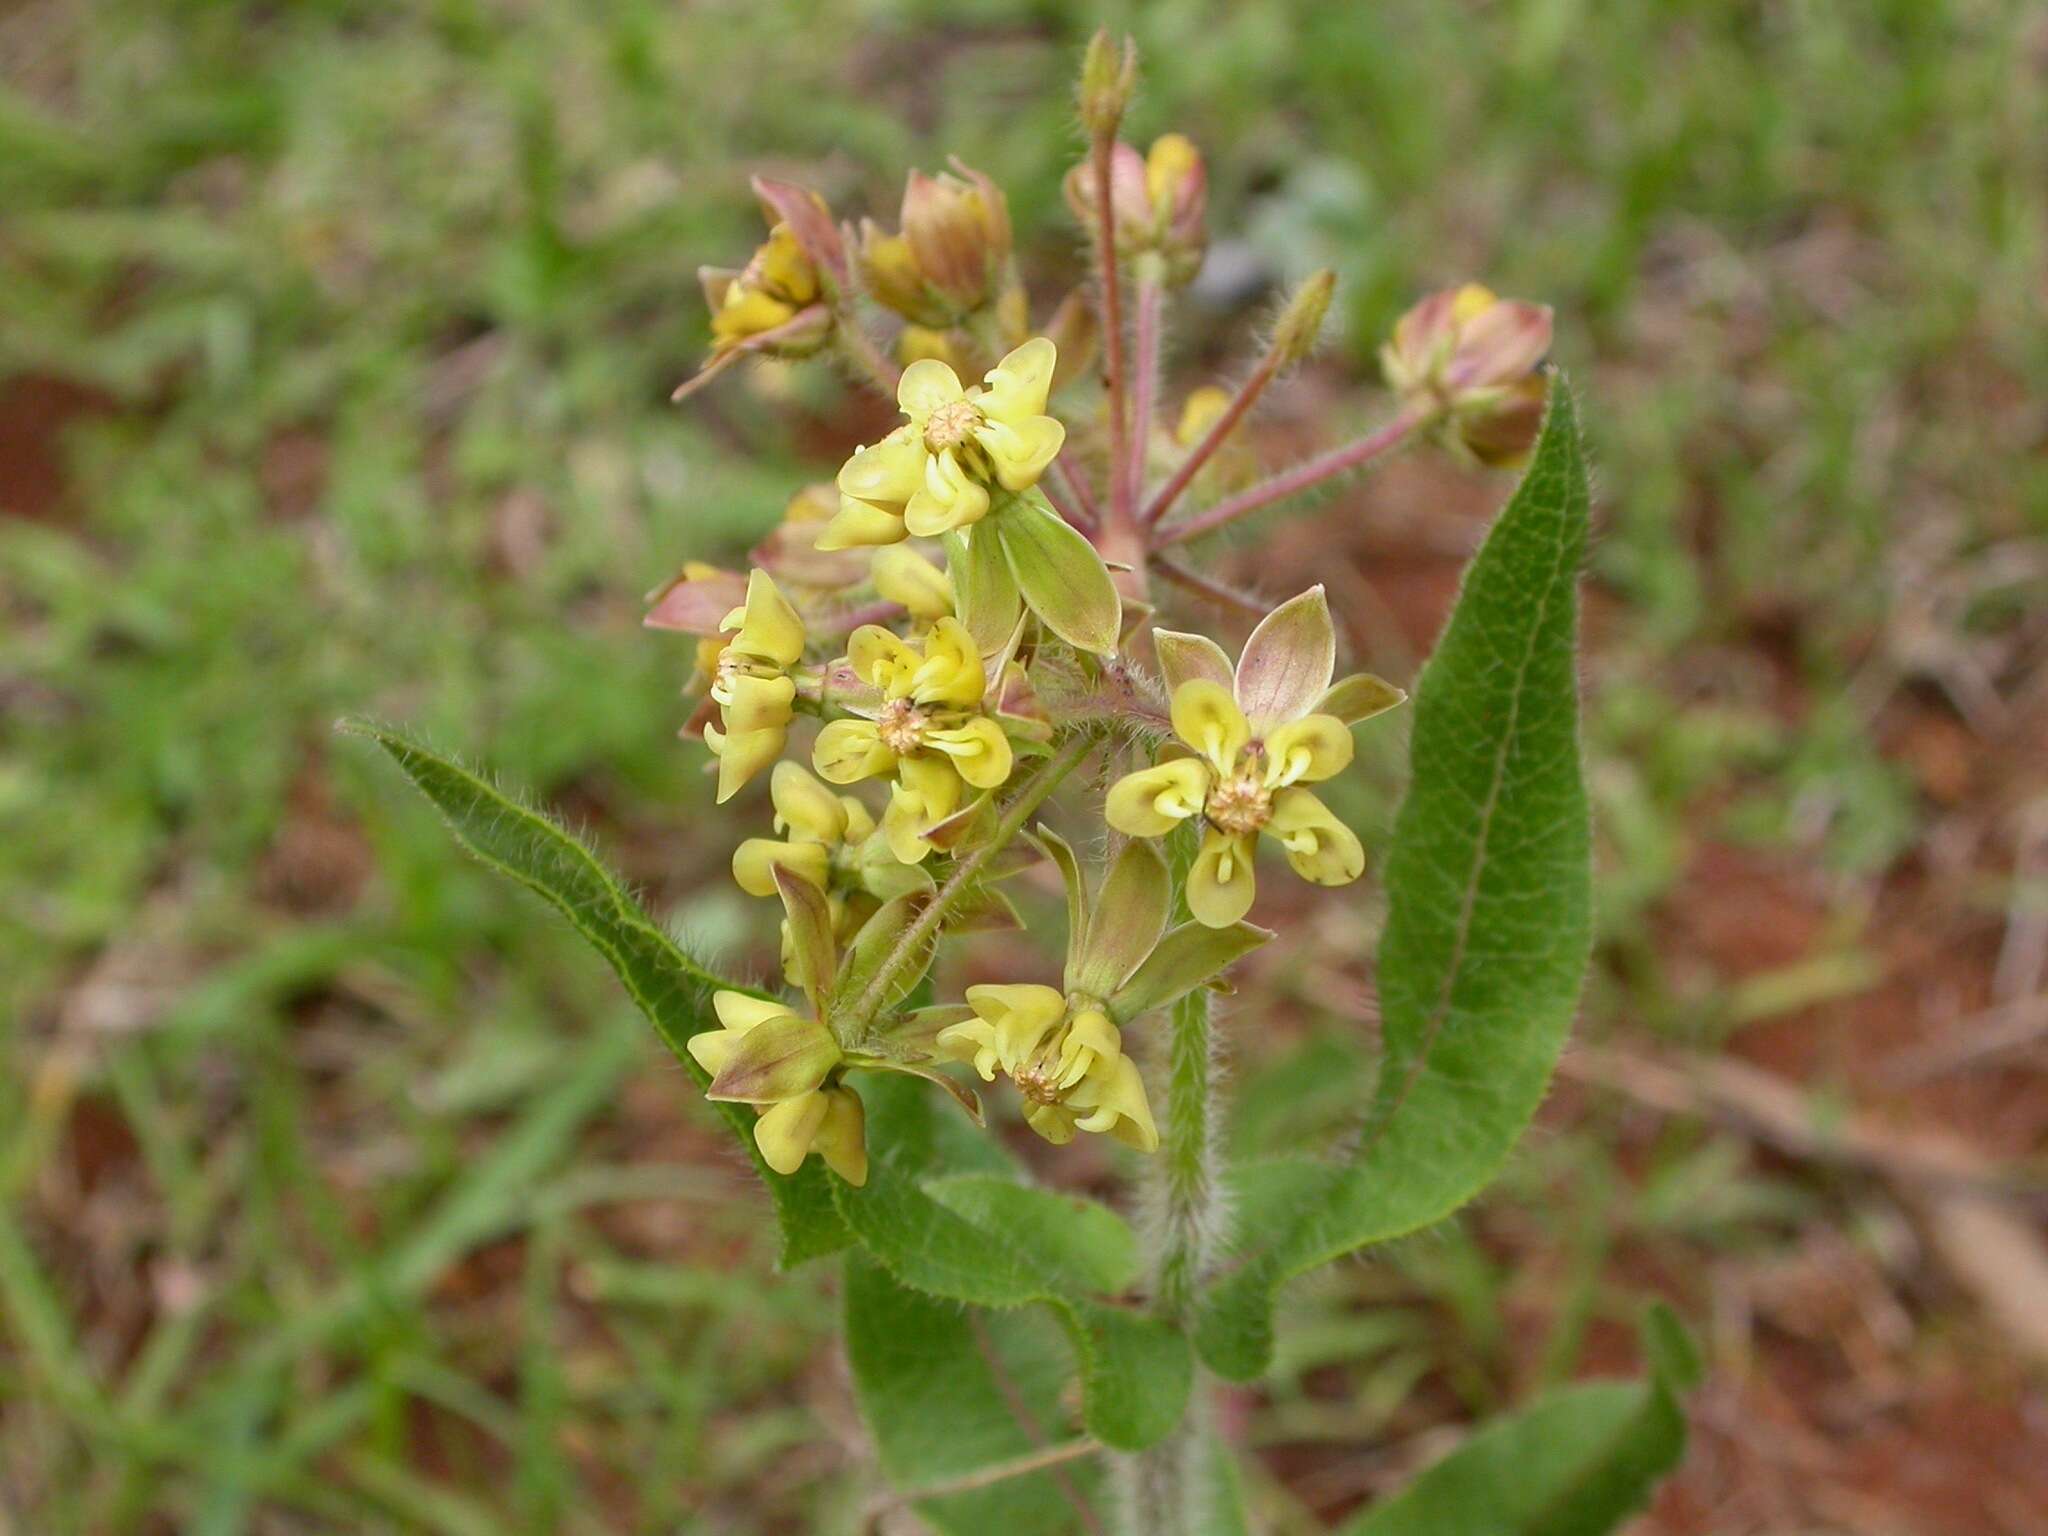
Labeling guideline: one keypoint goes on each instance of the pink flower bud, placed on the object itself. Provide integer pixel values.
(1471, 359)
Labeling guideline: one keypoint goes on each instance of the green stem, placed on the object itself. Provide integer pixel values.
(1189, 1204)
(1034, 793)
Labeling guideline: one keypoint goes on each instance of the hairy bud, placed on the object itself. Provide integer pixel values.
(1109, 77)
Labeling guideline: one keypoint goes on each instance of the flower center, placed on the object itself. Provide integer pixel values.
(950, 425)
(901, 725)
(1239, 805)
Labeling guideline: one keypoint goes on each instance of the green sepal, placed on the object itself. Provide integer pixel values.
(1060, 576)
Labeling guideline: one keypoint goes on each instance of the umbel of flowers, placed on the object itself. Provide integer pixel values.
(1007, 589)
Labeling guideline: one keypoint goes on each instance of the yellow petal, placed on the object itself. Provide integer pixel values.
(1054, 1122)
(886, 473)
(927, 385)
(881, 660)
(947, 499)
(860, 525)
(1319, 846)
(1220, 885)
(859, 823)
(971, 1040)
(756, 704)
(1207, 718)
(1115, 1099)
(755, 861)
(1017, 386)
(806, 809)
(842, 1139)
(785, 1133)
(1307, 751)
(978, 750)
(1020, 451)
(902, 575)
(739, 1012)
(742, 754)
(1021, 1013)
(747, 312)
(847, 751)
(1153, 801)
(951, 671)
(771, 628)
(712, 1049)
(926, 792)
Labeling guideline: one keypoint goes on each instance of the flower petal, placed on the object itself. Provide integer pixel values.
(1319, 846)
(755, 861)
(978, 750)
(806, 809)
(861, 525)
(947, 498)
(742, 754)
(882, 660)
(770, 628)
(1020, 450)
(951, 671)
(1017, 386)
(785, 1133)
(888, 472)
(1153, 801)
(1288, 662)
(740, 1012)
(1221, 884)
(842, 1139)
(1184, 656)
(926, 385)
(847, 751)
(1208, 719)
(1307, 751)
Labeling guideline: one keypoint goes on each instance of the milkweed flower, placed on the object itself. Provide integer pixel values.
(935, 473)
(927, 730)
(782, 1064)
(1249, 743)
(953, 254)
(1472, 359)
(752, 686)
(1066, 1059)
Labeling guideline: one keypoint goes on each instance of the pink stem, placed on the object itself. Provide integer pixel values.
(1112, 322)
(1144, 384)
(1066, 508)
(1224, 425)
(1291, 482)
(1207, 586)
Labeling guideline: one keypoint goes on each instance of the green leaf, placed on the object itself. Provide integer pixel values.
(1489, 896)
(984, 592)
(969, 1244)
(1130, 913)
(1576, 1462)
(671, 989)
(1187, 957)
(949, 1392)
(1062, 578)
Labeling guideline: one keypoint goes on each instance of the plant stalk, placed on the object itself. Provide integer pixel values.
(1218, 433)
(1104, 150)
(1292, 482)
(1145, 381)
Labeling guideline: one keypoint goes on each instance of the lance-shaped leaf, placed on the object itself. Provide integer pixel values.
(877, 942)
(670, 988)
(989, 1249)
(1359, 697)
(1061, 852)
(813, 959)
(1577, 1462)
(1129, 915)
(1061, 577)
(1287, 661)
(984, 592)
(1190, 956)
(775, 1060)
(1489, 899)
(1184, 657)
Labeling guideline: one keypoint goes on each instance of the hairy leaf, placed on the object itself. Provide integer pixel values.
(951, 1392)
(969, 1243)
(1576, 1462)
(671, 989)
(1489, 893)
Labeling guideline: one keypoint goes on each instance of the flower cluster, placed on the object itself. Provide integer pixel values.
(966, 616)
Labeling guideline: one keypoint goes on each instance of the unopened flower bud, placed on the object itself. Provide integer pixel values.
(1109, 77)
(1130, 203)
(1472, 360)
(953, 255)
(902, 575)
(1301, 322)
(1177, 185)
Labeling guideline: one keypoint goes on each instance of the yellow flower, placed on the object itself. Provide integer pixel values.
(953, 254)
(1253, 738)
(934, 473)
(752, 686)
(902, 575)
(784, 1066)
(1064, 1055)
(778, 284)
(927, 730)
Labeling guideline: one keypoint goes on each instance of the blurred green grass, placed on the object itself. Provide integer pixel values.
(363, 321)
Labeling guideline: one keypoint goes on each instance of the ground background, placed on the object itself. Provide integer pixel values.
(338, 1192)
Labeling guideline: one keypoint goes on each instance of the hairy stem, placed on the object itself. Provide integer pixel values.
(1203, 585)
(1144, 381)
(910, 945)
(859, 349)
(1218, 433)
(1112, 321)
(1292, 482)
